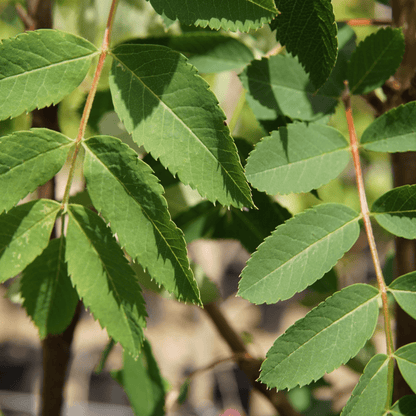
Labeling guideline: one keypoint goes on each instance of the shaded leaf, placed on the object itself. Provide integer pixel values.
(25, 232)
(396, 211)
(29, 159)
(298, 253)
(103, 279)
(370, 395)
(328, 336)
(49, 298)
(376, 58)
(311, 35)
(393, 131)
(406, 360)
(406, 406)
(123, 188)
(297, 158)
(39, 68)
(242, 15)
(404, 291)
(169, 109)
(143, 383)
(280, 86)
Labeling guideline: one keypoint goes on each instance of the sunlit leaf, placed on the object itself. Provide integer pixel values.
(404, 291)
(325, 338)
(406, 360)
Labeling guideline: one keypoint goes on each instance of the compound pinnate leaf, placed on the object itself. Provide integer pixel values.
(234, 15)
(404, 291)
(406, 360)
(169, 109)
(406, 406)
(328, 336)
(103, 278)
(371, 393)
(394, 131)
(376, 58)
(396, 211)
(39, 68)
(297, 158)
(280, 86)
(298, 253)
(25, 232)
(143, 383)
(308, 30)
(123, 188)
(49, 298)
(29, 159)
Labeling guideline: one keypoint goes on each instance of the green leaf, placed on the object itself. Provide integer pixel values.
(393, 131)
(298, 253)
(39, 68)
(404, 291)
(123, 188)
(103, 279)
(307, 28)
(280, 86)
(25, 232)
(169, 109)
(406, 360)
(376, 58)
(143, 383)
(49, 298)
(297, 158)
(207, 51)
(396, 211)
(406, 406)
(242, 15)
(370, 395)
(29, 159)
(328, 336)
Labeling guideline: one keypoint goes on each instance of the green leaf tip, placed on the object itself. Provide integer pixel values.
(170, 110)
(404, 291)
(39, 68)
(327, 337)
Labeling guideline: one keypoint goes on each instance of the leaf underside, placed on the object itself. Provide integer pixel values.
(25, 232)
(123, 188)
(396, 211)
(328, 336)
(393, 131)
(49, 298)
(280, 86)
(39, 68)
(307, 28)
(297, 158)
(404, 291)
(169, 109)
(242, 15)
(29, 159)
(298, 253)
(103, 279)
(370, 394)
(406, 360)
(376, 58)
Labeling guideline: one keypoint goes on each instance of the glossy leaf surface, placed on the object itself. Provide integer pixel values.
(25, 232)
(298, 253)
(123, 188)
(394, 131)
(103, 279)
(29, 159)
(311, 35)
(49, 298)
(241, 15)
(376, 58)
(396, 211)
(328, 336)
(170, 110)
(297, 158)
(404, 291)
(406, 360)
(39, 68)
(371, 393)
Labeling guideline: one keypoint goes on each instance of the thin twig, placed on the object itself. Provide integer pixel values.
(27, 20)
(367, 22)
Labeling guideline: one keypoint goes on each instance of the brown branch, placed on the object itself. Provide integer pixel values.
(367, 22)
(249, 365)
